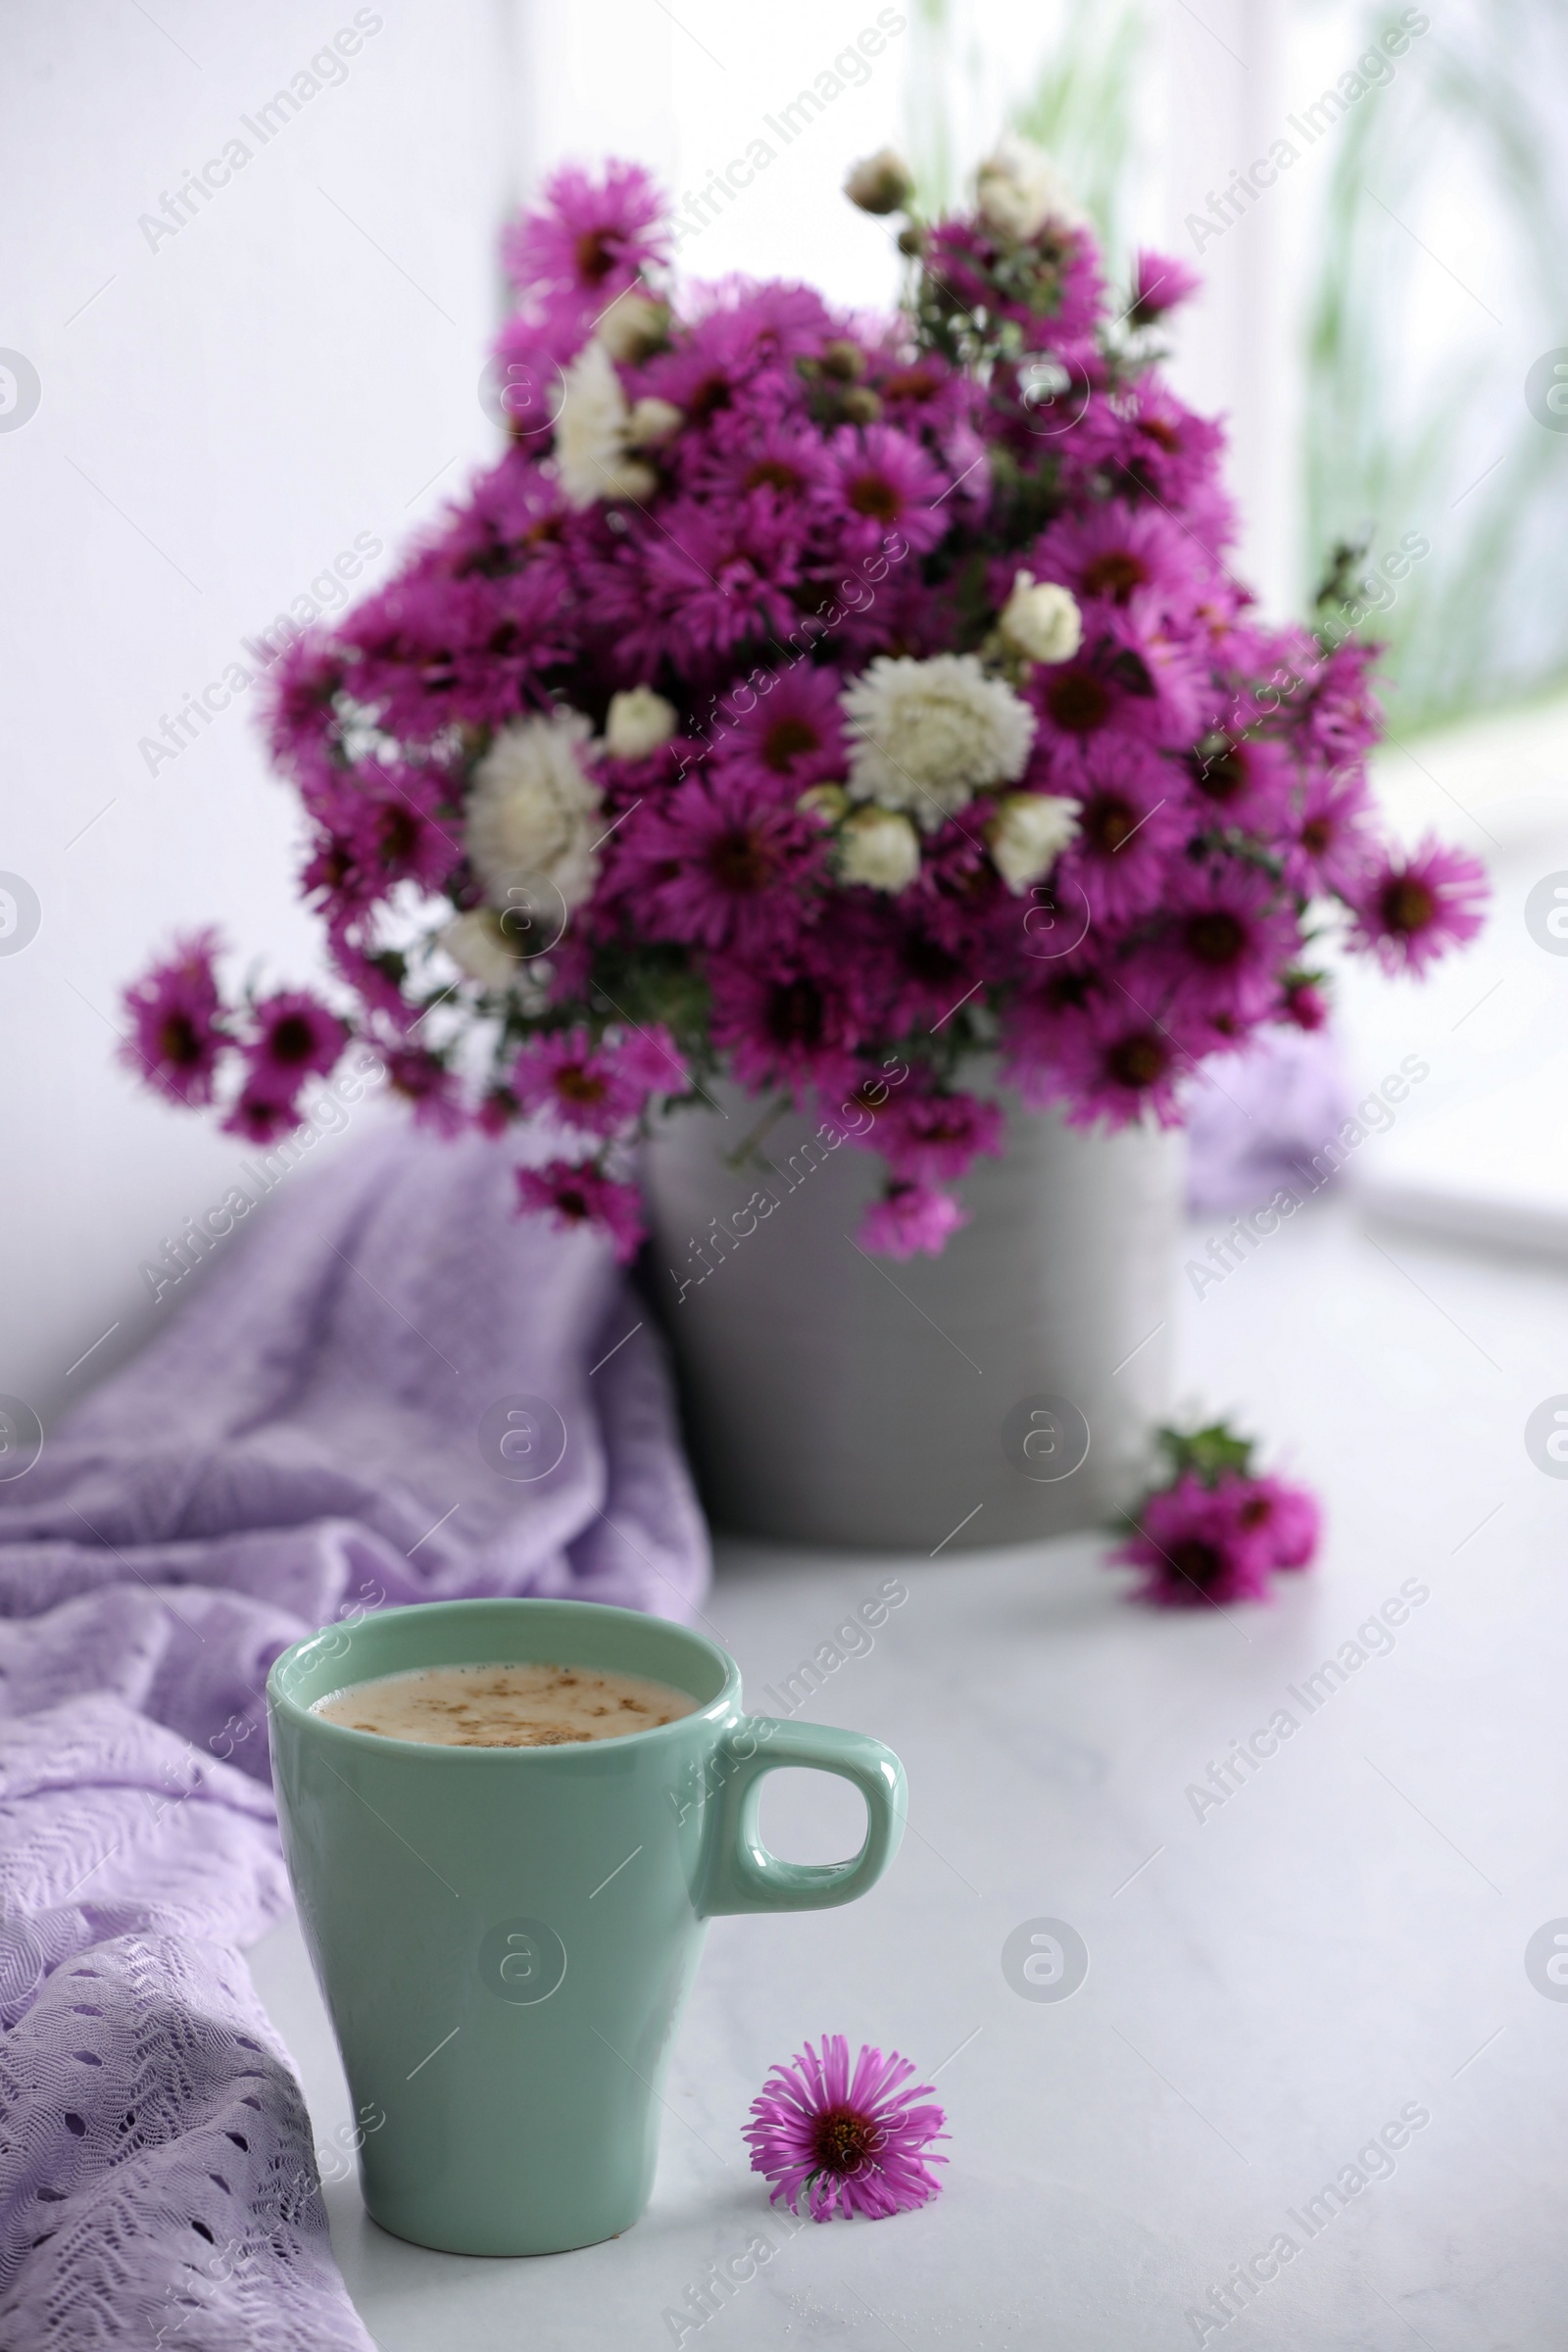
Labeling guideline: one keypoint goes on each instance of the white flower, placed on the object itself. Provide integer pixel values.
(879, 847)
(927, 734)
(531, 810)
(633, 326)
(653, 423)
(591, 428)
(1028, 834)
(639, 721)
(480, 945)
(1041, 620)
(1019, 189)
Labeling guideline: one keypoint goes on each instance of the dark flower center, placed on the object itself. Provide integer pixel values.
(741, 861)
(1198, 1562)
(1068, 992)
(1255, 1510)
(1222, 776)
(926, 959)
(572, 1203)
(874, 495)
(844, 2142)
(1139, 1061)
(292, 1038)
(593, 255)
(1116, 574)
(1163, 435)
(400, 835)
(1078, 701)
(575, 1084)
(795, 1013)
(909, 383)
(785, 740)
(179, 1041)
(1215, 938)
(713, 392)
(1108, 823)
(1407, 905)
(772, 474)
(1317, 834)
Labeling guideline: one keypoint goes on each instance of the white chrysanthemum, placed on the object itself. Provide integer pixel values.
(1042, 620)
(481, 947)
(639, 721)
(653, 423)
(929, 734)
(591, 428)
(880, 848)
(1018, 189)
(531, 810)
(1028, 834)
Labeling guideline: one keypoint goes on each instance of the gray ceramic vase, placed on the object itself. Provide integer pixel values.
(999, 1394)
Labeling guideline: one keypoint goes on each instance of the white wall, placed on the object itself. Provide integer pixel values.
(222, 413)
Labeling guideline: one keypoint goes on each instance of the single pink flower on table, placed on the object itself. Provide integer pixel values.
(1413, 908)
(1196, 1549)
(1289, 1516)
(575, 1195)
(910, 1217)
(177, 1030)
(849, 2141)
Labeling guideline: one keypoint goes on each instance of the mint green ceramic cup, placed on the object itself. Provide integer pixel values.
(505, 1937)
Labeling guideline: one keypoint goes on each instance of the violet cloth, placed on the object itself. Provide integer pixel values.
(1257, 1119)
(303, 1442)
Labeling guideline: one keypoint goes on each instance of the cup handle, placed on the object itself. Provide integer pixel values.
(742, 1875)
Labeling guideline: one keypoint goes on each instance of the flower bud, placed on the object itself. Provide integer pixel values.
(829, 802)
(882, 183)
(880, 848)
(633, 326)
(1041, 621)
(639, 721)
(653, 423)
(1028, 834)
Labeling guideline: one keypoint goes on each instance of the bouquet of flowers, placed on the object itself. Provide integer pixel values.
(821, 700)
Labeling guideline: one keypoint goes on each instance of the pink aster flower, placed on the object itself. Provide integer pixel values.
(575, 1193)
(719, 860)
(1228, 937)
(177, 1027)
(424, 1081)
(585, 244)
(1122, 1055)
(910, 1217)
(1131, 818)
(852, 2142)
(1196, 1549)
(261, 1118)
(1411, 908)
(1289, 1517)
(1241, 780)
(933, 1139)
(1121, 554)
(1159, 285)
(1331, 846)
(295, 1037)
(791, 724)
(794, 1023)
(891, 483)
(595, 1088)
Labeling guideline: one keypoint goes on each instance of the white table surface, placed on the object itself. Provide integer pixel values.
(1267, 1986)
